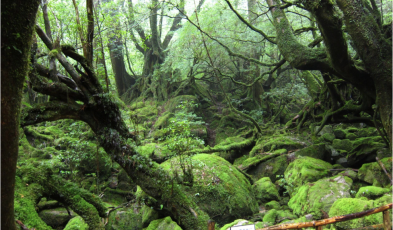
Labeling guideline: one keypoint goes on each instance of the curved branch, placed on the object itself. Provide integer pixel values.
(50, 111)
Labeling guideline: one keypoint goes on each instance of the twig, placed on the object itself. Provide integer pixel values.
(384, 169)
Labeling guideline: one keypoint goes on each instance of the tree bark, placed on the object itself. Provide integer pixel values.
(18, 26)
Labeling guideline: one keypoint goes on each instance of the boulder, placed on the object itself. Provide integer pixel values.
(219, 188)
(339, 133)
(372, 173)
(372, 192)
(318, 197)
(148, 215)
(270, 216)
(325, 129)
(306, 169)
(270, 168)
(56, 217)
(317, 151)
(163, 224)
(76, 223)
(264, 190)
(273, 205)
(344, 144)
(124, 218)
(328, 137)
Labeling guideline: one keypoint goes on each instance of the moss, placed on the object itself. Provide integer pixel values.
(55, 217)
(163, 119)
(264, 190)
(372, 173)
(235, 222)
(148, 215)
(270, 168)
(306, 169)
(274, 143)
(339, 133)
(351, 136)
(124, 218)
(372, 192)
(163, 224)
(273, 205)
(346, 206)
(218, 187)
(316, 151)
(344, 144)
(367, 145)
(367, 132)
(311, 198)
(76, 223)
(252, 161)
(328, 137)
(284, 215)
(270, 216)
(147, 149)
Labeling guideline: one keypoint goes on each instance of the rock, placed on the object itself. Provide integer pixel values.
(372, 173)
(124, 218)
(339, 133)
(351, 136)
(55, 217)
(349, 173)
(325, 129)
(148, 215)
(311, 198)
(306, 169)
(343, 161)
(328, 137)
(264, 190)
(270, 216)
(284, 215)
(372, 192)
(344, 144)
(275, 143)
(364, 150)
(76, 223)
(367, 132)
(270, 168)
(219, 188)
(163, 224)
(273, 205)
(316, 151)
(346, 206)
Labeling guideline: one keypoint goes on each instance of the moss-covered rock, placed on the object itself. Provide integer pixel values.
(346, 206)
(148, 215)
(317, 151)
(306, 169)
(351, 136)
(313, 198)
(124, 218)
(344, 144)
(238, 222)
(372, 192)
(270, 168)
(284, 215)
(163, 224)
(328, 137)
(270, 216)
(273, 205)
(339, 133)
(276, 142)
(367, 132)
(372, 173)
(76, 223)
(219, 188)
(55, 217)
(264, 190)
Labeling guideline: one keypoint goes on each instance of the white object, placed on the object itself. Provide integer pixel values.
(243, 227)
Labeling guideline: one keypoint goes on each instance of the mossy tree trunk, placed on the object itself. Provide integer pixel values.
(17, 29)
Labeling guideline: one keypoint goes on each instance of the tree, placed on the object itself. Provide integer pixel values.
(17, 29)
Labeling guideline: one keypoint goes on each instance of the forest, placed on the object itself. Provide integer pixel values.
(175, 114)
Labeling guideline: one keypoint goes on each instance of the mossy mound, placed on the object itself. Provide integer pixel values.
(270, 216)
(313, 198)
(269, 168)
(163, 224)
(124, 218)
(306, 169)
(273, 205)
(344, 144)
(372, 173)
(372, 192)
(264, 190)
(76, 223)
(219, 188)
(317, 151)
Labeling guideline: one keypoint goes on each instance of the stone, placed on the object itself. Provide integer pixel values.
(372, 173)
(311, 198)
(344, 144)
(164, 224)
(273, 205)
(372, 192)
(264, 190)
(351, 136)
(325, 129)
(270, 168)
(328, 137)
(56, 217)
(339, 133)
(124, 218)
(317, 151)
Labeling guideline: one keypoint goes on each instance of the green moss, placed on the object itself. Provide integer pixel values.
(306, 169)
(218, 188)
(55, 217)
(339, 133)
(147, 150)
(264, 190)
(273, 205)
(311, 198)
(344, 144)
(163, 224)
(372, 173)
(372, 192)
(163, 119)
(328, 137)
(270, 168)
(284, 215)
(187, 100)
(274, 143)
(148, 215)
(270, 216)
(316, 151)
(124, 218)
(76, 223)
(252, 161)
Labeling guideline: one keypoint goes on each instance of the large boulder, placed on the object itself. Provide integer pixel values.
(76, 223)
(219, 189)
(318, 197)
(264, 190)
(317, 151)
(372, 173)
(56, 217)
(163, 224)
(306, 169)
(269, 168)
(124, 218)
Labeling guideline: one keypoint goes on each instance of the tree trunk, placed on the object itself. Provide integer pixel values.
(17, 30)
